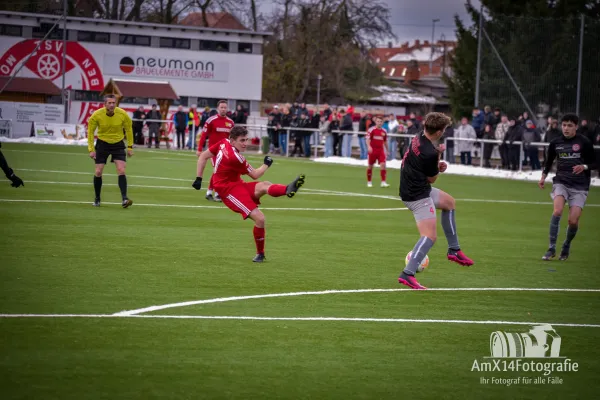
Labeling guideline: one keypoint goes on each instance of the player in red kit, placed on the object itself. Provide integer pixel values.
(239, 196)
(378, 148)
(215, 129)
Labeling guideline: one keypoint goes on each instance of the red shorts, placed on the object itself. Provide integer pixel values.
(377, 155)
(239, 197)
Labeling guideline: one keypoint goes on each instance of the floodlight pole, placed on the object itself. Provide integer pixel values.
(64, 62)
(478, 71)
(579, 65)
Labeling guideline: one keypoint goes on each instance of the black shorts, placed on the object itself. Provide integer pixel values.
(116, 150)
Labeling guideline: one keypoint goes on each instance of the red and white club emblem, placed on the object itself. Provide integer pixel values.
(81, 70)
(576, 147)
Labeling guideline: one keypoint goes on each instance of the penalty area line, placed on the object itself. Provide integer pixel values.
(312, 319)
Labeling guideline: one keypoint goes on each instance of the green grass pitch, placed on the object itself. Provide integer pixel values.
(68, 258)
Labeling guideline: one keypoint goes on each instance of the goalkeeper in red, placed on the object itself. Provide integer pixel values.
(239, 196)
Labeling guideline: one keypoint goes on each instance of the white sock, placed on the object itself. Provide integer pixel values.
(209, 192)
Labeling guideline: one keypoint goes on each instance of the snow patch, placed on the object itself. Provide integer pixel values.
(456, 169)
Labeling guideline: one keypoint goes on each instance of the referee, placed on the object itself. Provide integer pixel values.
(111, 121)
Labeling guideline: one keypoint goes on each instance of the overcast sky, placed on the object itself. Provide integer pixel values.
(412, 19)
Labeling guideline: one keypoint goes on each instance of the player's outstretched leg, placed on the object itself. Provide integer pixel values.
(559, 204)
(574, 214)
(259, 234)
(296, 184)
(427, 229)
(369, 176)
(446, 203)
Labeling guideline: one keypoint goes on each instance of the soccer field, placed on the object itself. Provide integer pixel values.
(323, 318)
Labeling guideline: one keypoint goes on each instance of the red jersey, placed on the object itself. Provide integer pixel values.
(377, 136)
(230, 165)
(215, 129)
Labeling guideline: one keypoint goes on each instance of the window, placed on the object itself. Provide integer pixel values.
(183, 101)
(175, 43)
(54, 100)
(10, 30)
(40, 31)
(205, 102)
(134, 40)
(213, 45)
(245, 48)
(98, 37)
(134, 100)
(86, 95)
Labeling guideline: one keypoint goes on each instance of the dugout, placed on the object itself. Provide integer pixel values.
(162, 91)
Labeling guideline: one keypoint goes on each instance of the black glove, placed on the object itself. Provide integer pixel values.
(16, 181)
(197, 183)
(268, 161)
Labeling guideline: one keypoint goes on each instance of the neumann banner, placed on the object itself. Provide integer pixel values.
(166, 67)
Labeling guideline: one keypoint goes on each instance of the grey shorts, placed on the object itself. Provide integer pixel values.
(575, 198)
(425, 208)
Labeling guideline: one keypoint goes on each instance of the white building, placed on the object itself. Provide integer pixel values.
(203, 65)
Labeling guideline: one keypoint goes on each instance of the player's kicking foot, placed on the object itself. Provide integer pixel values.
(459, 257)
(385, 184)
(260, 257)
(550, 254)
(126, 203)
(209, 197)
(564, 254)
(369, 184)
(97, 202)
(410, 281)
(293, 187)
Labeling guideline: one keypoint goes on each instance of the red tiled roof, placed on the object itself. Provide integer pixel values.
(30, 85)
(147, 89)
(219, 20)
(385, 53)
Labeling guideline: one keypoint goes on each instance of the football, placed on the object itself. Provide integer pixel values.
(424, 263)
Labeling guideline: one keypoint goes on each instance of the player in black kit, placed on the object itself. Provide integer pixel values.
(420, 168)
(10, 174)
(575, 160)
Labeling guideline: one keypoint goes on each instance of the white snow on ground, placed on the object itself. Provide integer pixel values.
(456, 169)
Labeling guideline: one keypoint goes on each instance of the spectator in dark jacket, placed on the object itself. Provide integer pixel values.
(530, 135)
(362, 141)
(333, 127)
(273, 132)
(153, 126)
(239, 116)
(488, 148)
(552, 133)
(346, 125)
(477, 122)
(139, 114)
(514, 134)
(180, 120)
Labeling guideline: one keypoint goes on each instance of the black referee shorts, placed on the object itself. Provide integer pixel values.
(116, 150)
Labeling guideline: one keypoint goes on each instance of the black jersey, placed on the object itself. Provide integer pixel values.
(577, 150)
(419, 163)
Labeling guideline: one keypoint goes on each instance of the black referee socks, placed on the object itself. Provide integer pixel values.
(97, 185)
(123, 186)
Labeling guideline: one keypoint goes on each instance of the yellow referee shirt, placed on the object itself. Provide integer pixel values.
(110, 129)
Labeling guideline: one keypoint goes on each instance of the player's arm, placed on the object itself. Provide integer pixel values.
(92, 126)
(203, 136)
(202, 160)
(257, 173)
(128, 126)
(432, 170)
(385, 143)
(368, 137)
(589, 158)
(548, 165)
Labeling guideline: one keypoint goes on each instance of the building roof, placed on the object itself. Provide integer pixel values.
(30, 85)
(146, 89)
(173, 27)
(220, 20)
(401, 95)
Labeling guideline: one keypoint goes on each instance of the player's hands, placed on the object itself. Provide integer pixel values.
(370, 149)
(442, 166)
(578, 169)
(441, 148)
(198, 152)
(268, 161)
(93, 155)
(197, 183)
(129, 152)
(16, 181)
(542, 181)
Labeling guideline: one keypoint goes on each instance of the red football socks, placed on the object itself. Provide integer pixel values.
(259, 239)
(383, 175)
(277, 190)
(369, 175)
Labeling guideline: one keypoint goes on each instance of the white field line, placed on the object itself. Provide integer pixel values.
(198, 206)
(293, 294)
(91, 173)
(328, 319)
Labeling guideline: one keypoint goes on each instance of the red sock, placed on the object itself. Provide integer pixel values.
(369, 175)
(383, 175)
(276, 190)
(259, 239)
